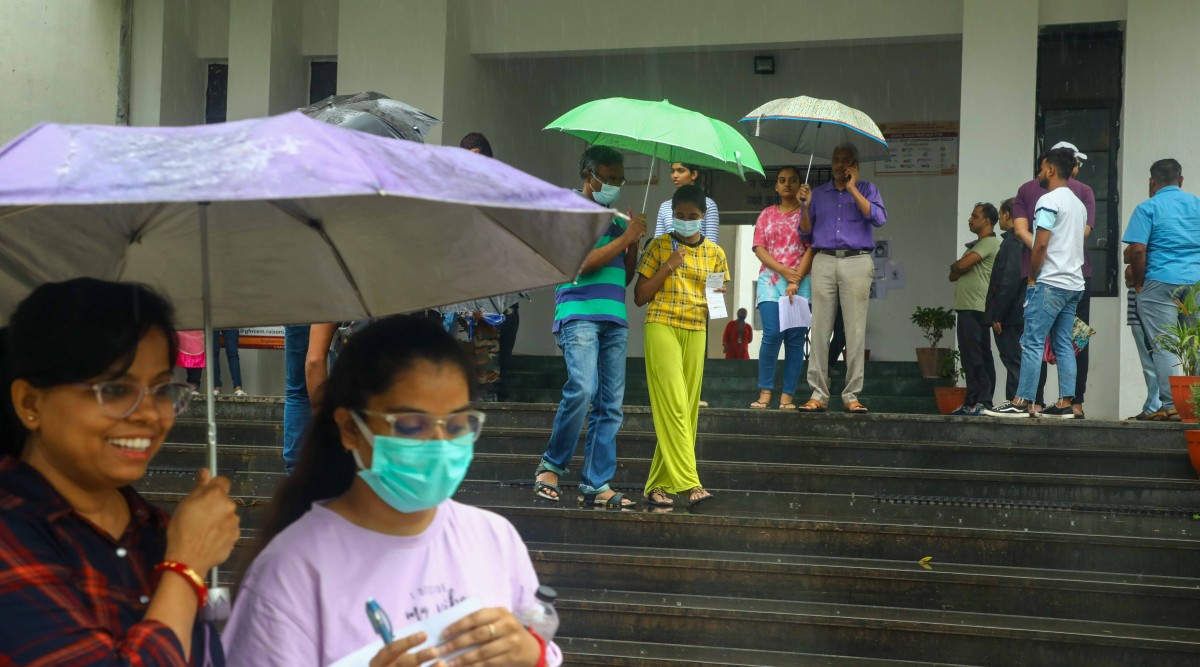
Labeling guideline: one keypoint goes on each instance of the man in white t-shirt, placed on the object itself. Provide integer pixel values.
(1055, 287)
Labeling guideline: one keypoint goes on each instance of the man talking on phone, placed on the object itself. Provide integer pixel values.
(839, 218)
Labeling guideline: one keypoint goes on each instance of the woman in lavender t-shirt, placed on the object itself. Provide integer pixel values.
(367, 515)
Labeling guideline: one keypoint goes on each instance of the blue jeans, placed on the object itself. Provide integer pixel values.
(792, 341)
(1149, 374)
(231, 351)
(595, 356)
(1049, 311)
(296, 409)
(1157, 311)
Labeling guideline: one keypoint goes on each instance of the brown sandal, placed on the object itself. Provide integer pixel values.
(813, 405)
(650, 499)
(857, 408)
(704, 495)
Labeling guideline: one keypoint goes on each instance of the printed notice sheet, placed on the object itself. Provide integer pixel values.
(794, 312)
(716, 300)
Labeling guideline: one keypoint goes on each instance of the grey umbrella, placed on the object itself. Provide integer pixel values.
(373, 113)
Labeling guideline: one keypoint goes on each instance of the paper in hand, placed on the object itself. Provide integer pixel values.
(794, 312)
(433, 627)
(716, 300)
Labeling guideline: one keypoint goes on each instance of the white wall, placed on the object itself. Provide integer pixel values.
(890, 82)
(58, 63)
(1162, 93)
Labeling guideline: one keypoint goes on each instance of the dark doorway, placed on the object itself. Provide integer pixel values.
(322, 81)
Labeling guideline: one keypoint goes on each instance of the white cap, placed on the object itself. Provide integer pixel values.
(1067, 144)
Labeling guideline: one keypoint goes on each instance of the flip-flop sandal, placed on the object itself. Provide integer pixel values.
(693, 503)
(650, 500)
(617, 501)
(759, 405)
(787, 406)
(540, 488)
(813, 405)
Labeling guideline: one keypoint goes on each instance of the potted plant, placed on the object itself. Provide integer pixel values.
(933, 323)
(1183, 340)
(952, 396)
(1192, 435)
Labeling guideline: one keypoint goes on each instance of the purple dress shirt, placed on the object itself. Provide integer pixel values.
(837, 222)
(1026, 202)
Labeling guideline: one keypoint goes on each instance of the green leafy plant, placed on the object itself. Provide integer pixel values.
(1194, 398)
(933, 323)
(1182, 339)
(950, 367)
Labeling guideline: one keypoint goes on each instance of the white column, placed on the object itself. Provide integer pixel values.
(267, 71)
(1162, 92)
(397, 48)
(168, 77)
(996, 126)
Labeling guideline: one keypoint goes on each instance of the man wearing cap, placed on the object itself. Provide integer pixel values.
(1023, 208)
(839, 219)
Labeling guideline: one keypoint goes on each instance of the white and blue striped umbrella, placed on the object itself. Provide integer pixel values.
(814, 127)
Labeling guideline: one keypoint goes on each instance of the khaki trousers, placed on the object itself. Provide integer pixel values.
(845, 281)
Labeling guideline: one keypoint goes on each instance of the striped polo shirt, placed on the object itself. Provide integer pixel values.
(598, 296)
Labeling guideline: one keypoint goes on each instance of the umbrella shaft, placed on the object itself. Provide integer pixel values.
(209, 399)
(649, 177)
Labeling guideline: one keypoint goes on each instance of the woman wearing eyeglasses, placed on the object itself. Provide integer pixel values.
(90, 573)
(367, 514)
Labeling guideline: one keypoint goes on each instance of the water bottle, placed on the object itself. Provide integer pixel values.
(541, 617)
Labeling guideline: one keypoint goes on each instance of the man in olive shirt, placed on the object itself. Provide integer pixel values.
(970, 275)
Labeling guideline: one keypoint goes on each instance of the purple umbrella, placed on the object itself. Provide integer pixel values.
(279, 220)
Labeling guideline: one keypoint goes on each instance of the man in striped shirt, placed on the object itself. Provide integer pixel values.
(591, 329)
(686, 174)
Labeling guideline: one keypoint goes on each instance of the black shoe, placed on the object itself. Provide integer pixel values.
(1055, 412)
(1008, 410)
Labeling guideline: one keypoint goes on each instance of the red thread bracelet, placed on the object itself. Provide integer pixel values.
(541, 647)
(189, 575)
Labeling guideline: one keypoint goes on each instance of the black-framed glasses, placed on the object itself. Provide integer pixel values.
(423, 426)
(119, 398)
(613, 182)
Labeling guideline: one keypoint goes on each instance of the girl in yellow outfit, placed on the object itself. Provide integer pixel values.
(671, 278)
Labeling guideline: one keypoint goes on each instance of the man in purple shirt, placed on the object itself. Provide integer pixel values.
(838, 219)
(1023, 207)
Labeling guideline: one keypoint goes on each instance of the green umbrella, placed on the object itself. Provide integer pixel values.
(661, 130)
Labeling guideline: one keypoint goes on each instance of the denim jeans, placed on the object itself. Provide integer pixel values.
(1149, 373)
(231, 351)
(595, 356)
(1049, 311)
(1157, 311)
(296, 409)
(792, 341)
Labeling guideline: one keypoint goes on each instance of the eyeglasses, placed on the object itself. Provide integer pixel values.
(459, 426)
(614, 182)
(120, 398)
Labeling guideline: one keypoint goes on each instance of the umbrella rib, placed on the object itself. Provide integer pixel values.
(316, 226)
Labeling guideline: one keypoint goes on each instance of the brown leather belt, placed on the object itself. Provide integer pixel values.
(843, 253)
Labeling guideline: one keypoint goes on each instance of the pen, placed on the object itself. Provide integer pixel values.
(379, 620)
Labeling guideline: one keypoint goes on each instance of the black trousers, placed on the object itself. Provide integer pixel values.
(975, 348)
(508, 339)
(1084, 312)
(1008, 345)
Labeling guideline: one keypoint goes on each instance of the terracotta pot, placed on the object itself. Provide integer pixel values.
(949, 398)
(1193, 445)
(929, 360)
(1181, 393)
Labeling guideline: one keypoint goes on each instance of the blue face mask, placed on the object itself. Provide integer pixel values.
(686, 228)
(413, 475)
(607, 195)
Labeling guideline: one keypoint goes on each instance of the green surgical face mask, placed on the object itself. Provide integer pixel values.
(413, 475)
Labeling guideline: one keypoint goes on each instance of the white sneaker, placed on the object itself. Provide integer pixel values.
(239, 392)
(704, 404)
(217, 391)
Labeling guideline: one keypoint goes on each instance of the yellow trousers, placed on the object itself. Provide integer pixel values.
(674, 371)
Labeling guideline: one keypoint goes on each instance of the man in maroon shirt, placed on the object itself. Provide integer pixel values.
(1023, 207)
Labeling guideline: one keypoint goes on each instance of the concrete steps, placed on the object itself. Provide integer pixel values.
(1048, 542)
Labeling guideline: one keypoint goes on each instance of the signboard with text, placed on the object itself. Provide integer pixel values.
(924, 148)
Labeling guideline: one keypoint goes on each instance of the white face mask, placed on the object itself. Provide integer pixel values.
(607, 195)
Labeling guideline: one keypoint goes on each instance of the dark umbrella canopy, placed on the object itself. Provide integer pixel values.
(373, 113)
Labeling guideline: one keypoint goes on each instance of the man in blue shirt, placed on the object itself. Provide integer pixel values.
(1164, 252)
